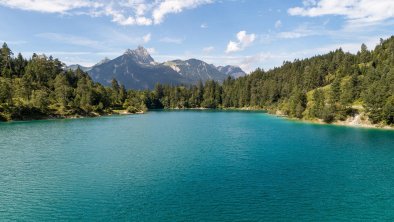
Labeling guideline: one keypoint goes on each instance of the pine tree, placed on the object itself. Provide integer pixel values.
(63, 90)
(388, 110)
(6, 59)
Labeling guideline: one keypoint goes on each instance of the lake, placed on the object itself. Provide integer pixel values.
(194, 166)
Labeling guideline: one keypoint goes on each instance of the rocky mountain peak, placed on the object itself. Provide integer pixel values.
(233, 71)
(106, 59)
(140, 55)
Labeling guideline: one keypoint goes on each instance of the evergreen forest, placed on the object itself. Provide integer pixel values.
(330, 87)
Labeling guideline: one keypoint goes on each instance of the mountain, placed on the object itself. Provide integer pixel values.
(136, 69)
(86, 68)
(140, 55)
(233, 71)
(103, 61)
(76, 66)
(194, 70)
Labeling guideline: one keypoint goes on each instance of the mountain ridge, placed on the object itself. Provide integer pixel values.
(136, 69)
(233, 71)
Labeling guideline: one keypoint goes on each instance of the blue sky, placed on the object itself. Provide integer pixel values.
(247, 33)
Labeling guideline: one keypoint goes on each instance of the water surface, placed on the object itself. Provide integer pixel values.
(194, 166)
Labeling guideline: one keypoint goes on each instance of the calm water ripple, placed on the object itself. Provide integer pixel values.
(194, 166)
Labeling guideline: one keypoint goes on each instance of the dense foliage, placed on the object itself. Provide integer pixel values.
(41, 88)
(330, 87)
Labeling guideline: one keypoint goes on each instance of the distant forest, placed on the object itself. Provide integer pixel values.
(328, 87)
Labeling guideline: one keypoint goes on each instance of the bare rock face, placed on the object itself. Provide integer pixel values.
(136, 69)
(194, 70)
(233, 71)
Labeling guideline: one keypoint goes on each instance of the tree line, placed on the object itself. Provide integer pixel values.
(330, 87)
(42, 87)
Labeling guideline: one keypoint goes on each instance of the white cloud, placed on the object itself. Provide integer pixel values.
(122, 12)
(233, 47)
(121, 17)
(146, 38)
(357, 12)
(278, 24)
(151, 50)
(175, 6)
(49, 6)
(208, 49)
(243, 40)
(204, 26)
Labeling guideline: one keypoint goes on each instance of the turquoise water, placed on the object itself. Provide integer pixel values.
(194, 166)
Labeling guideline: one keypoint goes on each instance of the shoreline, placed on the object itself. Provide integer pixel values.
(345, 123)
(338, 123)
(353, 122)
(77, 116)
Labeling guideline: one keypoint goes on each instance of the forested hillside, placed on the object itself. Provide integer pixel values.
(330, 87)
(40, 88)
